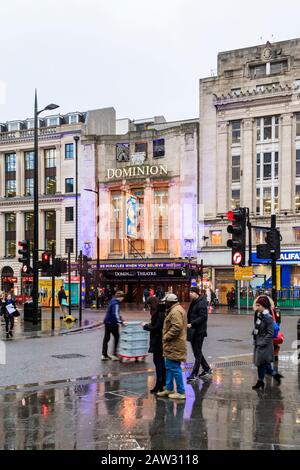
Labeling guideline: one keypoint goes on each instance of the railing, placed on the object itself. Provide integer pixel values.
(287, 298)
(26, 134)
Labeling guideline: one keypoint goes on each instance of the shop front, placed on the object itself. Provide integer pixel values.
(133, 278)
(8, 280)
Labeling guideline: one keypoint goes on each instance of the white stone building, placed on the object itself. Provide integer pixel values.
(250, 153)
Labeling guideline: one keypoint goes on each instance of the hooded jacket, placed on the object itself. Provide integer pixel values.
(112, 316)
(174, 334)
(197, 316)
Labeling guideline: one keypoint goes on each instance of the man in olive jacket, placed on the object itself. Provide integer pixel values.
(174, 347)
(197, 331)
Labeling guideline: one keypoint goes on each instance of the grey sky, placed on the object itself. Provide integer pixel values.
(142, 57)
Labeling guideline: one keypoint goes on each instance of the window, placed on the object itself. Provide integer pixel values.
(297, 199)
(236, 132)
(229, 73)
(10, 235)
(69, 245)
(73, 118)
(297, 234)
(279, 67)
(138, 243)
(50, 158)
(141, 147)
(258, 71)
(267, 166)
(236, 169)
(54, 121)
(29, 226)
(161, 226)
(69, 185)
(69, 214)
(50, 185)
(267, 201)
(29, 186)
(69, 151)
(50, 229)
(14, 126)
(216, 237)
(116, 223)
(10, 175)
(267, 128)
(235, 198)
(29, 160)
(298, 125)
(158, 148)
(141, 127)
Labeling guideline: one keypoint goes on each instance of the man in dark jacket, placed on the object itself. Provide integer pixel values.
(112, 320)
(197, 331)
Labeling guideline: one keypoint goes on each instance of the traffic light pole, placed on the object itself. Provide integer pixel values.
(69, 273)
(53, 288)
(80, 287)
(273, 264)
(35, 286)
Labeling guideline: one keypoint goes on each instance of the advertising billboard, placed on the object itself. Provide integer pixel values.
(131, 216)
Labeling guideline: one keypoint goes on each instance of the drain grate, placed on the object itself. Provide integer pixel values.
(68, 356)
(231, 340)
(221, 365)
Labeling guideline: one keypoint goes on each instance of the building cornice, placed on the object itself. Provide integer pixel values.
(24, 201)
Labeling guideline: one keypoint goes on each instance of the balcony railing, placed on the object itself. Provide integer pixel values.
(26, 134)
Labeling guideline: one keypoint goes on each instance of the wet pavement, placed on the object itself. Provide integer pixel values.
(115, 410)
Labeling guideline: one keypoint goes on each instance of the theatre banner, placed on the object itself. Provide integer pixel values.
(131, 216)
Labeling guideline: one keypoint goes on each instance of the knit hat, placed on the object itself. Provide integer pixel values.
(195, 289)
(263, 301)
(170, 298)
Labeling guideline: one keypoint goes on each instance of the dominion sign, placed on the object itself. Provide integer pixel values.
(136, 171)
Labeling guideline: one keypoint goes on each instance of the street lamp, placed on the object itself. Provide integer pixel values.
(97, 228)
(76, 138)
(35, 286)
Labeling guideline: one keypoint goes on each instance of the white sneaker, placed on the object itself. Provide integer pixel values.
(105, 358)
(115, 358)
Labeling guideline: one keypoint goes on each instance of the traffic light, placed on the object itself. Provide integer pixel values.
(45, 265)
(25, 254)
(60, 267)
(273, 240)
(237, 243)
(263, 252)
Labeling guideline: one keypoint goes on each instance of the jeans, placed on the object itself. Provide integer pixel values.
(9, 322)
(114, 330)
(160, 369)
(173, 371)
(197, 344)
(263, 370)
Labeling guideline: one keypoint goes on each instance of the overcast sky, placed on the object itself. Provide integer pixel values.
(144, 58)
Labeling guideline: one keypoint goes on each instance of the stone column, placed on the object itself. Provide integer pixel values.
(41, 229)
(2, 174)
(2, 235)
(222, 167)
(286, 163)
(175, 218)
(148, 217)
(59, 182)
(246, 161)
(104, 225)
(60, 250)
(20, 228)
(19, 179)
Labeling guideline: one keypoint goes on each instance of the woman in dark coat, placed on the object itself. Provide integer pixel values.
(156, 327)
(263, 342)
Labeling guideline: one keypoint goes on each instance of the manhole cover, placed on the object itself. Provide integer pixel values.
(231, 340)
(68, 356)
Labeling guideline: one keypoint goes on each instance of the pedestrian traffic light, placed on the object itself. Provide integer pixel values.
(273, 240)
(237, 243)
(60, 267)
(25, 254)
(45, 265)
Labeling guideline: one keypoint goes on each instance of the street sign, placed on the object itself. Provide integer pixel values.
(237, 258)
(243, 273)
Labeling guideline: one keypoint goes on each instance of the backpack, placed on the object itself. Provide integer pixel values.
(278, 337)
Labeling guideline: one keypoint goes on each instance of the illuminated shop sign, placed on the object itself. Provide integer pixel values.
(286, 257)
(136, 171)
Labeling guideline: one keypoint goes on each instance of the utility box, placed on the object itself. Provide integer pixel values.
(30, 315)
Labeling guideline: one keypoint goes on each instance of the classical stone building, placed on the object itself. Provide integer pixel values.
(250, 153)
(157, 162)
(57, 195)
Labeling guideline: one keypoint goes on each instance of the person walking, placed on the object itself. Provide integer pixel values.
(62, 300)
(263, 334)
(112, 320)
(197, 331)
(8, 307)
(156, 348)
(174, 347)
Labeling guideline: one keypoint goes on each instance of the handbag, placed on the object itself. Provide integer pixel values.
(64, 302)
(10, 309)
(190, 334)
(279, 339)
(16, 313)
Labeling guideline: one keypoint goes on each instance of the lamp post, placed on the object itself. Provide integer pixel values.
(97, 228)
(35, 286)
(76, 138)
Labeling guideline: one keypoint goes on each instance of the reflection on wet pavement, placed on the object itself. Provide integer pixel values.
(120, 413)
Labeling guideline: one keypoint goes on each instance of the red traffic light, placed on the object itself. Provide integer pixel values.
(230, 215)
(45, 256)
